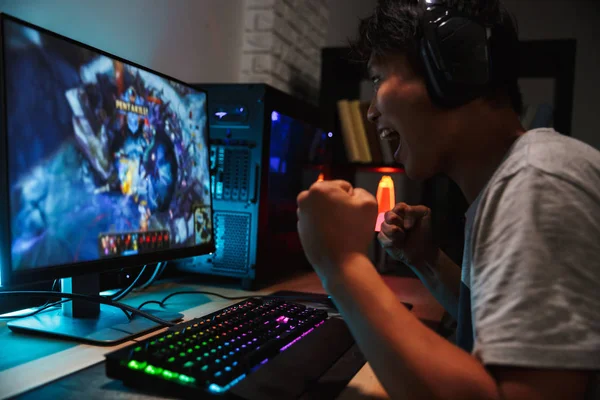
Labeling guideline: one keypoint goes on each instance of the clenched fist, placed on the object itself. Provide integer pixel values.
(406, 235)
(335, 222)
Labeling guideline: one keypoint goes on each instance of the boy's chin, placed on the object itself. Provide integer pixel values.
(418, 173)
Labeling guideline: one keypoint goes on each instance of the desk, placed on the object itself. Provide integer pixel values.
(28, 362)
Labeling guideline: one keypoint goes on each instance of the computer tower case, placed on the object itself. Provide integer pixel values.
(266, 147)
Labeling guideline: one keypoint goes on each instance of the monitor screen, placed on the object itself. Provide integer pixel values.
(105, 159)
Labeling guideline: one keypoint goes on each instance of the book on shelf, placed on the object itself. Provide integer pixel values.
(361, 140)
(359, 130)
(347, 128)
(371, 133)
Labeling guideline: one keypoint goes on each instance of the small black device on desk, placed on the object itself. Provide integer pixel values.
(260, 348)
(317, 300)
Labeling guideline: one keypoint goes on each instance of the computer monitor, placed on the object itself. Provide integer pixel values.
(104, 164)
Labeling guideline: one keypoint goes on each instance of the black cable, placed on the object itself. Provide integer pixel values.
(204, 292)
(149, 302)
(124, 292)
(160, 267)
(47, 301)
(70, 296)
(39, 310)
(115, 297)
(92, 298)
(163, 301)
(48, 304)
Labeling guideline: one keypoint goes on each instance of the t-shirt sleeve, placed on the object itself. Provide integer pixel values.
(536, 273)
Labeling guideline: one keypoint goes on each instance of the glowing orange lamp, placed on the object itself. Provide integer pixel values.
(386, 199)
(321, 177)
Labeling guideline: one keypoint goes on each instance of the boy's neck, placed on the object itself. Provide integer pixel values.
(483, 147)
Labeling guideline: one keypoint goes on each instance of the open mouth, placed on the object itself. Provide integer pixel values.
(394, 139)
(388, 134)
(391, 136)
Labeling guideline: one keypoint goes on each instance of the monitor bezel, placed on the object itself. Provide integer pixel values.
(10, 277)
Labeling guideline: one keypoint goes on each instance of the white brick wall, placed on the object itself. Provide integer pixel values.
(282, 44)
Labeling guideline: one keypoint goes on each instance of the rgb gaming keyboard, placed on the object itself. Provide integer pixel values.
(217, 352)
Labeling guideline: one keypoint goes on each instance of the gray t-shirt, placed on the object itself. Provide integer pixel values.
(532, 258)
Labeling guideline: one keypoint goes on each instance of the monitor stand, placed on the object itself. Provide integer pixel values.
(86, 321)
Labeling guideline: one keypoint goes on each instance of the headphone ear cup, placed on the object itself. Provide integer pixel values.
(455, 55)
(464, 50)
(432, 71)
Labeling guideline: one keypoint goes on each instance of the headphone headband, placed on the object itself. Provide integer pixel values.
(455, 53)
(429, 3)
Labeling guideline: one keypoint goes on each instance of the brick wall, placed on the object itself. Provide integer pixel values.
(282, 41)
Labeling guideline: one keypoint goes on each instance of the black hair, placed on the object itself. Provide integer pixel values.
(394, 27)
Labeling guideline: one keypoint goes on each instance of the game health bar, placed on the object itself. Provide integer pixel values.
(130, 243)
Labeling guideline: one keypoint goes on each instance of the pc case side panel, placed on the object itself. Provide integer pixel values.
(292, 137)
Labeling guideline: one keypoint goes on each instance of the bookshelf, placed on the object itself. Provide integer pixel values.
(341, 79)
(554, 59)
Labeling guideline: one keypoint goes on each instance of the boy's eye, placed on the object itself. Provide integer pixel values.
(375, 81)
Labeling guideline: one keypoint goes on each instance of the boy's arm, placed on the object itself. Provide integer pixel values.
(441, 276)
(411, 361)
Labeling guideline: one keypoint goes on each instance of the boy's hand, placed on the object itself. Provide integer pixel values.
(335, 222)
(406, 234)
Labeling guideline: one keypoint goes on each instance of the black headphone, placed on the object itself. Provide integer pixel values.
(455, 50)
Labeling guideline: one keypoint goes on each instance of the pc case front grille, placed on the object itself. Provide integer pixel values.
(232, 181)
(232, 232)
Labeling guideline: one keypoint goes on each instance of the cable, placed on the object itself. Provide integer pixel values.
(118, 296)
(39, 310)
(47, 304)
(115, 297)
(205, 292)
(70, 296)
(161, 303)
(152, 277)
(92, 298)
(149, 302)
(160, 268)
(48, 301)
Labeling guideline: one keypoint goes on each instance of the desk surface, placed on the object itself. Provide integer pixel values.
(27, 362)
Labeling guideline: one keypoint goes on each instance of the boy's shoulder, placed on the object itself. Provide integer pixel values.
(552, 153)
